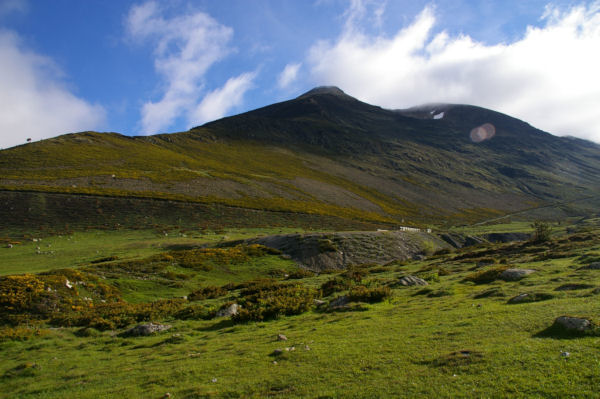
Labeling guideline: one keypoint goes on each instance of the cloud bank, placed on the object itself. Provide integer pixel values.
(548, 77)
(34, 101)
(185, 47)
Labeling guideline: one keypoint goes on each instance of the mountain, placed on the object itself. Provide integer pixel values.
(325, 153)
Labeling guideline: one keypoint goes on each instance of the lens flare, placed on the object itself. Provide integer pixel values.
(482, 133)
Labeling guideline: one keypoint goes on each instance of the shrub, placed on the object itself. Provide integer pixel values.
(355, 274)
(486, 276)
(300, 273)
(335, 285)
(284, 300)
(541, 231)
(326, 245)
(20, 333)
(209, 292)
(360, 293)
(262, 285)
(107, 316)
(195, 312)
(106, 259)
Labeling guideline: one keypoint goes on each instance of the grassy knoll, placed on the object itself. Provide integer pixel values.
(457, 337)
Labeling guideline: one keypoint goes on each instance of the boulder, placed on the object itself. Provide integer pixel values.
(520, 298)
(573, 287)
(515, 274)
(591, 266)
(145, 330)
(573, 324)
(412, 280)
(339, 301)
(281, 337)
(228, 310)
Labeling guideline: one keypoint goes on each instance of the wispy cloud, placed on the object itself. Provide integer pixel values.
(548, 77)
(185, 47)
(10, 6)
(34, 101)
(218, 102)
(288, 75)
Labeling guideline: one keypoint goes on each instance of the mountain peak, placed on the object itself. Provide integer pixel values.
(333, 90)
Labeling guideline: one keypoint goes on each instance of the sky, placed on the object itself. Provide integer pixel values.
(146, 67)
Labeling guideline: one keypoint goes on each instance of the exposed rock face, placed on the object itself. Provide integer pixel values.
(573, 324)
(460, 240)
(228, 311)
(412, 280)
(515, 274)
(323, 251)
(145, 330)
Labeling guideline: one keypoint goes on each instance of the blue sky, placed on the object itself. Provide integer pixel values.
(143, 67)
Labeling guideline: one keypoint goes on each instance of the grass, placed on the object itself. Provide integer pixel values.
(83, 247)
(409, 345)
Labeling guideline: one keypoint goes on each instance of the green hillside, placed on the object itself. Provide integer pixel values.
(325, 153)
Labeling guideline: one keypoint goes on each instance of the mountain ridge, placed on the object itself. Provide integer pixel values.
(325, 152)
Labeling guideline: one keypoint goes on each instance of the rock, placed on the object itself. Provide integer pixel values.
(145, 330)
(228, 310)
(277, 352)
(515, 274)
(319, 302)
(412, 280)
(281, 337)
(339, 302)
(573, 324)
(482, 263)
(591, 266)
(573, 287)
(519, 298)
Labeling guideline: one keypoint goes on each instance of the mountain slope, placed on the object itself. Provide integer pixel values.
(326, 153)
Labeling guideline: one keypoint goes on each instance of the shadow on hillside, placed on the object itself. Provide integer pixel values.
(226, 323)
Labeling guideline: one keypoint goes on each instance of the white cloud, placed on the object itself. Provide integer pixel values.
(288, 75)
(218, 102)
(34, 102)
(186, 46)
(549, 77)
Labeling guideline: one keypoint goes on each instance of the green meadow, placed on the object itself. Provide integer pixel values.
(458, 336)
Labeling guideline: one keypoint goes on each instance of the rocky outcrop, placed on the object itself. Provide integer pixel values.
(515, 274)
(411, 280)
(326, 251)
(573, 324)
(145, 330)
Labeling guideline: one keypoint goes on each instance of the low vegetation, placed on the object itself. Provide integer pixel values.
(451, 338)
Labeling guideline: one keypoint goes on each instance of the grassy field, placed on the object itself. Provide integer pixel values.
(81, 247)
(456, 337)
